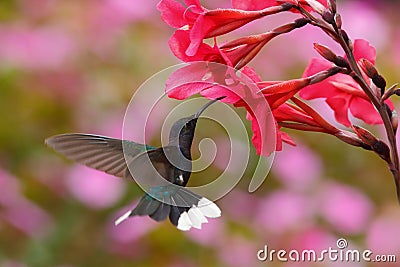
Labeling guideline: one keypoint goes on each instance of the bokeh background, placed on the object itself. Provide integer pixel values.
(72, 66)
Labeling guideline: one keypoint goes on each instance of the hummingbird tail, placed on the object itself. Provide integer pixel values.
(147, 206)
(187, 210)
(191, 210)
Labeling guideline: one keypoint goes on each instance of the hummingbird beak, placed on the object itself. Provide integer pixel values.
(197, 115)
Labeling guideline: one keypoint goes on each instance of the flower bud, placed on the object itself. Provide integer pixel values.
(352, 139)
(332, 6)
(365, 135)
(328, 17)
(379, 81)
(368, 68)
(382, 150)
(390, 91)
(301, 22)
(320, 76)
(341, 62)
(338, 20)
(316, 6)
(378, 146)
(325, 52)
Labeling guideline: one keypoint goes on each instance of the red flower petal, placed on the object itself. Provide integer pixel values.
(316, 65)
(252, 74)
(264, 130)
(287, 139)
(258, 5)
(172, 13)
(180, 41)
(287, 113)
(217, 22)
(364, 110)
(340, 106)
(187, 81)
(203, 77)
(363, 49)
(323, 89)
(253, 4)
(320, 90)
(232, 94)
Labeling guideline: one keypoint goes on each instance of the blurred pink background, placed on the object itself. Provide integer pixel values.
(72, 66)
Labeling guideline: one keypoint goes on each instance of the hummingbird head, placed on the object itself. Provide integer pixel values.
(182, 132)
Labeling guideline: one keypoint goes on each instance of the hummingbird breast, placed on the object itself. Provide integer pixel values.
(173, 165)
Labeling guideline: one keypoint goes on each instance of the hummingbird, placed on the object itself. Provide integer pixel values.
(165, 197)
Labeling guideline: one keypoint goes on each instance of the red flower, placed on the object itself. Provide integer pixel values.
(216, 80)
(180, 41)
(236, 53)
(208, 79)
(258, 5)
(241, 51)
(176, 15)
(202, 23)
(341, 92)
(258, 97)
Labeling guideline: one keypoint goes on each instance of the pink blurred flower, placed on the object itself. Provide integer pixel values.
(313, 238)
(66, 85)
(103, 122)
(12, 263)
(211, 234)
(37, 8)
(19, 211)
(125, 237)
(383, 234)
(41, 48)
(345, 208)
(238, 252)
(94, 188)
(27, 217)
(12, 195)
(132, 229)
(109, 19)
(297, 167)
(240, 205)
(113, 15)
(282, 210)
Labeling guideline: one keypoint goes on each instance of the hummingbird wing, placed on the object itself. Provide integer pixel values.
(98, 152)
(151, 168)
